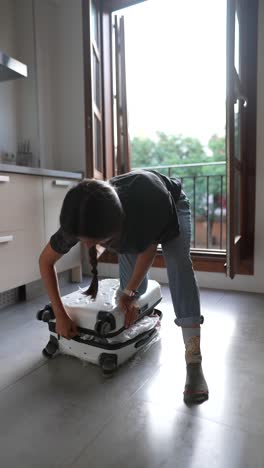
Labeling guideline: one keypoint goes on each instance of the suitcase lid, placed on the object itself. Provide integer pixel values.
(106, 297)
(84, 310)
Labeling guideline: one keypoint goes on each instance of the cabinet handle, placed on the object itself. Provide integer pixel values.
(4, 239)
(62, 183)
(4, 178)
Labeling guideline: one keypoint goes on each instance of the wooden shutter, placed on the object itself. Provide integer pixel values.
(95, 165)
(236, 108)
(120, 99)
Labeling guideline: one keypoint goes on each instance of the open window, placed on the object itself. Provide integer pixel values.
(240, 133)
(106, 117)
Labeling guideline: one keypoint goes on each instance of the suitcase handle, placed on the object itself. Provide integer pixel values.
(84, 331)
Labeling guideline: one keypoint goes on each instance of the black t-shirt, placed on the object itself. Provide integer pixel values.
(149, 203)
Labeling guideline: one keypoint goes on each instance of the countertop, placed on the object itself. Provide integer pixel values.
(38, 171)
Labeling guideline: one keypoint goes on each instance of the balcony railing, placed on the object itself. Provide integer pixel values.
(207, 195)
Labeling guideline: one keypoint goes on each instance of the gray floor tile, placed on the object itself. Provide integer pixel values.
(16, 316)
(20, 349)
(44, 425)
(55, 411)
(238, 315)
(61, 413)
(233, 367)
(147, 435)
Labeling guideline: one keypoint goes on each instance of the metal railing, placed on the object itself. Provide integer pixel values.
(207, 195)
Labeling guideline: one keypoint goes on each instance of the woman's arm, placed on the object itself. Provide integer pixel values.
(64, 325)
(143, 263)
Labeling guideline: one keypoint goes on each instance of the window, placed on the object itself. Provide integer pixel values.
(241, 121)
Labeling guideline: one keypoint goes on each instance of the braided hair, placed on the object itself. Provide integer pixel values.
(93, 288)
(92, 209)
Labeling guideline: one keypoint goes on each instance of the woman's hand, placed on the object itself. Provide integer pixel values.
(66, 327)
(128, 305)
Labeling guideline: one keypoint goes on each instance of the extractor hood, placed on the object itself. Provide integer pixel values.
(11, 69)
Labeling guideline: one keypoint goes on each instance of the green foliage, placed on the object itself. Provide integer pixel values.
(168, 150)
(217, 146)
(142, 152)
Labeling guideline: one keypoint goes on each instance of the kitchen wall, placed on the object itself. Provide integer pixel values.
(48, 107)
(70, 92)
(60, 83)
(27, 110)
(45, 16)
(8, 124)
(18, 104)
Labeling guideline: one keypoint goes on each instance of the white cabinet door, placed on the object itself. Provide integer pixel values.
(54, 192)
(21, 201)
(19, 254)
(21, 229)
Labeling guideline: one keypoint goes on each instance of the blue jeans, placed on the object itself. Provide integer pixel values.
(182, 282)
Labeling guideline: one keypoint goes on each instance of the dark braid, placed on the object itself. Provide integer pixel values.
(93, 288)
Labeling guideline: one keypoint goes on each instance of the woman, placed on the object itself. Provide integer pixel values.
(131, 214)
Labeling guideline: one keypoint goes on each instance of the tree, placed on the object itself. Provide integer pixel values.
(166, 150)
(217, 146)
(142, 152)
(204, 183)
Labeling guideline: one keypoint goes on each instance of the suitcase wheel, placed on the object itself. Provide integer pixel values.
(46, 314)
(40, 314)
(50, 349)
(46, 354)
(108, 363)
(102, 328)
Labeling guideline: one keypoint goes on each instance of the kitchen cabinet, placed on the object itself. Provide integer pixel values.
(54, 190)
(29, 214)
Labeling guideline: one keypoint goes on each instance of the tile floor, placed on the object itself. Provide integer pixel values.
(62, 414)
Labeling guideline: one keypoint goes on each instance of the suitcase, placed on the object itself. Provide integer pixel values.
(103, 339)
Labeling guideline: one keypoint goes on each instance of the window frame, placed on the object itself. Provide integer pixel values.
(203, 260)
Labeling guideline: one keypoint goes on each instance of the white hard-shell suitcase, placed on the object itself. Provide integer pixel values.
(102, 338)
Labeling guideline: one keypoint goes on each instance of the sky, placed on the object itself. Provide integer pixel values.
(175, 65)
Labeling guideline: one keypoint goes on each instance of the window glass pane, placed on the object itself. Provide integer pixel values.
(114, 90)
(237, 57)
(98, 145)
(207, 197)
(96, 81)
(94, 24)
(237, 216)
(237, 125)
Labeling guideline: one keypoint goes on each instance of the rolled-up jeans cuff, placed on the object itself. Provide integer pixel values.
(189, 321)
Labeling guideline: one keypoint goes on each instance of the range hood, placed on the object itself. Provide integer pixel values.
(11, 69)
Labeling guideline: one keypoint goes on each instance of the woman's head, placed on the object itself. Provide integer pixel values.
(92, 210)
